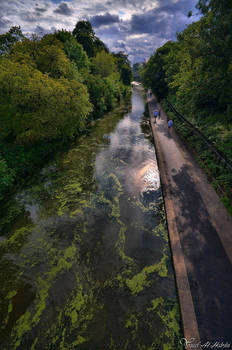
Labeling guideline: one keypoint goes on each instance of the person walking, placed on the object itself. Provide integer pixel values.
(156, 113)
(170, 123)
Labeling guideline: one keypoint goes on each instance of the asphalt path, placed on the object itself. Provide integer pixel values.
(205, 231)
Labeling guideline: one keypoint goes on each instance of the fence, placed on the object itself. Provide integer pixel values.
(220, 155)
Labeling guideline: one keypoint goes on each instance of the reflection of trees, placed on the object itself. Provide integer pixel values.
(146, 129)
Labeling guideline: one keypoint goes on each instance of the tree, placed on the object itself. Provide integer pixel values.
(63, 35)
(39, 106)
(8, 39)
(53, 61)
(99, 46)
(103, 64)
(7, 177)
(97, 91)
(76, 53)
(153, 74)
(124, 67)
(84, 34)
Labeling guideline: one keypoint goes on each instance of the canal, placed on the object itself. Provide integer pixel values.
(86, 265)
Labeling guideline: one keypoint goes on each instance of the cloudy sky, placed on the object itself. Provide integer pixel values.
(136, 27)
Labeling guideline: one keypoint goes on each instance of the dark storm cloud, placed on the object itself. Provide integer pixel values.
(165, 20)
(40, 10)
(112, 31)
(95, 9)
(102, 20)
(63, 9)
(30, 17)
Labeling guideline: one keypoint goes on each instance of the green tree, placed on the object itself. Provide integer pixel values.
(153, 75)
(63, 35)
(104, 64)
(124, 67)
(76, 53)
(52, 60)
(8, 39)
(99, 46)
(84, 34)
(41, 107)
(7, 177)
(97, 91)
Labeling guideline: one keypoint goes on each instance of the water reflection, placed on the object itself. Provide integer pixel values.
(131, 156)
(91, 257)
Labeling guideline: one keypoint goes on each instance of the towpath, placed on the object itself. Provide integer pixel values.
(201, 240)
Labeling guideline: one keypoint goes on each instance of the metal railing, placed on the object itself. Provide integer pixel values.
(220, 155)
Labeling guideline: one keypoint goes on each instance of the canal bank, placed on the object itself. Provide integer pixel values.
(200, 234)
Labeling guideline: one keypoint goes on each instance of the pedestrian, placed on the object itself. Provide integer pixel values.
(156, 113)
(170, 123)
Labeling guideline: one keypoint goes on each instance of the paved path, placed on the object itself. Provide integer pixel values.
(205, 235)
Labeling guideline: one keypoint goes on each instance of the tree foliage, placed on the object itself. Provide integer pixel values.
(124, 67)
(84, 34)
(41, 107)
(49, 90)
(76, 54)
(8, 39)
(103, 64)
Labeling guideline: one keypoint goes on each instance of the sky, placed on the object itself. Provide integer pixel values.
(137, 27)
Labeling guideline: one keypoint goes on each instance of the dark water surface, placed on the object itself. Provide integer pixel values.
(87, 265)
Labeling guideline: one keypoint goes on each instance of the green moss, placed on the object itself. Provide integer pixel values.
(34, 344)
(79, 341)
(75, 212)
(139, 281)
(73, 316)
(23, 325)
(14, 243)
(132, 323)
(156, 302)
(29, 320)
(171, 321)
(160, 231)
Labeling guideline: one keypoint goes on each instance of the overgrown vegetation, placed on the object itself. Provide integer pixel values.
(195, 74)
(50, 88)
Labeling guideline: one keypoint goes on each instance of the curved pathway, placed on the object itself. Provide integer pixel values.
(201, 239)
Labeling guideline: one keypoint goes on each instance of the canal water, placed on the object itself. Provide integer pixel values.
(86, 264)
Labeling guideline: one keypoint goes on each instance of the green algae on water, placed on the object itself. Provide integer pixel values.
(90, 268)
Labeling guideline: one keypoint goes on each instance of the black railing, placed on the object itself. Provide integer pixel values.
(220, 155)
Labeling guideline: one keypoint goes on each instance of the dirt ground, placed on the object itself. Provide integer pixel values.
(204, 228)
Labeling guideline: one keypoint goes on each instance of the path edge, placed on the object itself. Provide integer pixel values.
(189, 321)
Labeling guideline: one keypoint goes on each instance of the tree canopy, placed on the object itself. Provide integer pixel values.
(84, 34)
(50, 88)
